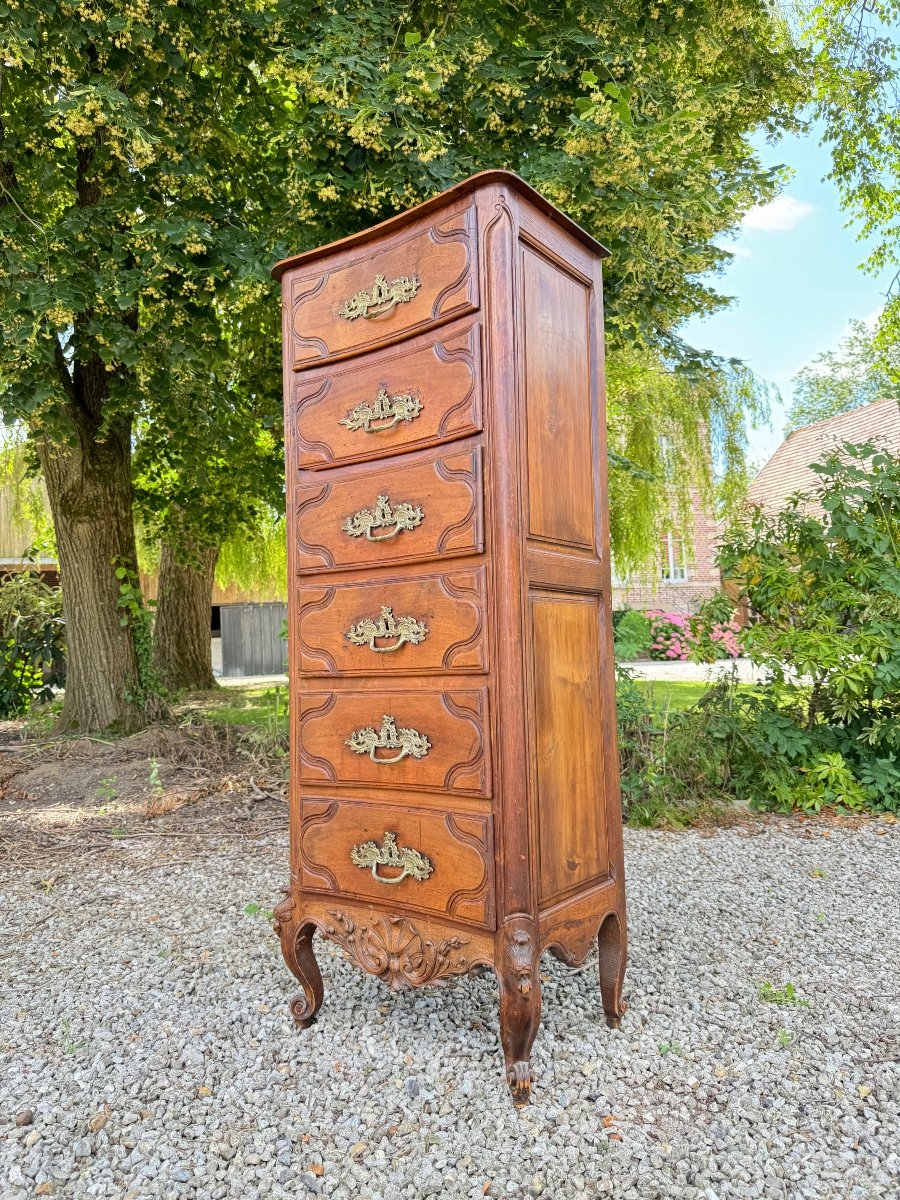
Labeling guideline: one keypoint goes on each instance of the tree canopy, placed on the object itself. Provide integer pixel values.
(861, 371)
(156, 158)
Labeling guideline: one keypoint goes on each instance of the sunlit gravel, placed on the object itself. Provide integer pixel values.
(146, 1049)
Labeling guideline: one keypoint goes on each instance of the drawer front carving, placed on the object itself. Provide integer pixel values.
(425, 276)
(406, 399)
(402, 513)
(415, 858)
(413, 626)
(400, 740)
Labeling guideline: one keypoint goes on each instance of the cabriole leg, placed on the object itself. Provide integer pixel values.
(613, 957)
(299, 956)
(520, 1012)
(296, 946)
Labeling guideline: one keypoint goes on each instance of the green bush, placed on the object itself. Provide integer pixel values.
(32, 643)
(632, 635)
(673, 770)
(822, 580)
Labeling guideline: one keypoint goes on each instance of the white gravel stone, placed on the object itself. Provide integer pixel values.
(143, 1020)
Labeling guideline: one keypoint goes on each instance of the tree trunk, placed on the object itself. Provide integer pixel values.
(89, 488)
(182, 649)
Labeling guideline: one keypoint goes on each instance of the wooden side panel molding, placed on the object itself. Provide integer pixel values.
(570, 769)
(558, 406)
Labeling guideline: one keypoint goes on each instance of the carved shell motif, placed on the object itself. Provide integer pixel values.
(393, 949)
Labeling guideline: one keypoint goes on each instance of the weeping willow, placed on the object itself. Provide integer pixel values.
(24, 513)
(255, 557)
(673, 435)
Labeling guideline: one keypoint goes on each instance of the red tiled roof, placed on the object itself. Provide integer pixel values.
(787, 471)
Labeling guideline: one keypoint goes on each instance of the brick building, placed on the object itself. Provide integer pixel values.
(788, 470)
(683, 578)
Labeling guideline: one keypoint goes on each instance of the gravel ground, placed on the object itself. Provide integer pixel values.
(143, 1023)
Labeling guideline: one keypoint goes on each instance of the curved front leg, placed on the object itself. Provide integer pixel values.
(613, 957)
(520, 1011)
(296, 946)
(299, 956)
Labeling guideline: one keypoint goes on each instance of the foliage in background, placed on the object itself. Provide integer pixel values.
(823, 580)
(632, 635)
(857, 373)
(676, 436)
(709, 635)
(24, 500)
(857, 60)
(673, 771)
(32, 643)
(255, 557)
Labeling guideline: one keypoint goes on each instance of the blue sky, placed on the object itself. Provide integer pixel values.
(795, 280)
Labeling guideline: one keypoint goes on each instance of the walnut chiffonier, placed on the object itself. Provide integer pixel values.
(454, 778)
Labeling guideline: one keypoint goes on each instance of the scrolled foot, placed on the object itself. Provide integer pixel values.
(519, 1077)
(297, 947)
(303, 1009)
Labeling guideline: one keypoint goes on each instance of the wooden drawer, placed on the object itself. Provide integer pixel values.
(424, 740)
(426, 276)
(427, 392)
(394, 626)
(428, 509)
(435, 862)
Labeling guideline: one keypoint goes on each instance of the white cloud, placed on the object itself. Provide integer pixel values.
(779, 215)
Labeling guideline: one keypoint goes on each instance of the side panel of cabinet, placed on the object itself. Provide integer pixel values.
(558, 405)
(569, 747)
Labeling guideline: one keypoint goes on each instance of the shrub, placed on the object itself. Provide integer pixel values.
(670, 635)
(822, 579)
(714, 632)
(32, 642)
(632, 635)
(673, 770)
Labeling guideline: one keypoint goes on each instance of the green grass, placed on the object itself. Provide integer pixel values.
(671, 694)
(250, 706)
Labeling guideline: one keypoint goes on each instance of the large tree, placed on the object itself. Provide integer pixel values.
(858, 99)
(860, 371)
(154, 158)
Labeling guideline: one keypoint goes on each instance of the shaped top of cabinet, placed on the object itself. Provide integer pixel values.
(414, 271)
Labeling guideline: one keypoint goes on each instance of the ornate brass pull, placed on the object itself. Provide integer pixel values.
(380, 298)
(388, 854)
(393, 409)
(404, 629)
(401, 516)
(389, 737)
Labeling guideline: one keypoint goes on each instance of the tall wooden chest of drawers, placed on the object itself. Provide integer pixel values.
(454, 779)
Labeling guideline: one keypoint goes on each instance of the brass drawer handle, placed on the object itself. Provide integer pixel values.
(380, 298)
(393, 409)
(389, 737)
(404, 629)
(401, 516)
(388, 854)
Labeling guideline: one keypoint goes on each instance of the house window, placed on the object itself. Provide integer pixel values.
(674, 566)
